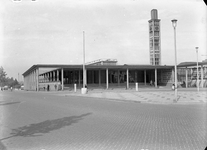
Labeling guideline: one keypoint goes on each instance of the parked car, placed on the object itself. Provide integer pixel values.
(5, 87)
(22, 87)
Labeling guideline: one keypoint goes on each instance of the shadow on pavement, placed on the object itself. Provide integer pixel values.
(9, 103)
(38, 129)
(2, 147)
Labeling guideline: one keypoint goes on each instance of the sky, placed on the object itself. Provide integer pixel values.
(51, 31)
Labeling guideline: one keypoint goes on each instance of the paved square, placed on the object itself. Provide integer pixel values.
(51, 121)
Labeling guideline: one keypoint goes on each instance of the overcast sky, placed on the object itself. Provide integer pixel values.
(51, 31)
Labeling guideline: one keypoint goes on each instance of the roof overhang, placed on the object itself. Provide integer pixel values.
(191, 64)
(96, 67)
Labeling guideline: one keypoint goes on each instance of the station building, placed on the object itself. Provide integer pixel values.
(99, 74)
(187, 72)
(107, 74)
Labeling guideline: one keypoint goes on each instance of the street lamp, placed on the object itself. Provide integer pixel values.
(84, 89)
(197, 70)
(84, 81)
(174, 23)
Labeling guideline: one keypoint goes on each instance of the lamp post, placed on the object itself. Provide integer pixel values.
(174, 23)
(84, 89)
(197, 70)
(84, 81)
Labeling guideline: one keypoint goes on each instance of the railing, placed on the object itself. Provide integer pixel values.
(101, 60)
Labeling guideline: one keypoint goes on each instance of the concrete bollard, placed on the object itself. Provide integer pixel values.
(83, 90)
(75, 88)
(136, 86)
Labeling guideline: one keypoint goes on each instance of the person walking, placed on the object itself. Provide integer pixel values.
(48, 87)
(55, 87)
(151, 82)
(173, 86)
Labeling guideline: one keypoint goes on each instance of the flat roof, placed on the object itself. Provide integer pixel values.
(191, 64)
(121, 67)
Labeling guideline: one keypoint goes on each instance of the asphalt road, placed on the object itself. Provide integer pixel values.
(46, 121)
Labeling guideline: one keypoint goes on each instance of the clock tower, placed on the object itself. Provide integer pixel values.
(154, 39)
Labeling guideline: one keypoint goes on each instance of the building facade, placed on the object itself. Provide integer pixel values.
(187, 73)
(103, 74)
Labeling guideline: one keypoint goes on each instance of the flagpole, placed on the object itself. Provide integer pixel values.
(84, 60)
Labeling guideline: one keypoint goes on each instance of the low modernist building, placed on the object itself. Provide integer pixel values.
(100, 74)
(187, 72)
(107, 74)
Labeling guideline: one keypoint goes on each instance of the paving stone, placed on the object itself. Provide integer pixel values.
(122, 126)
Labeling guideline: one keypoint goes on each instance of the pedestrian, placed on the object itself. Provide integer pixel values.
(59, 87)
(151, 83)
(173, 87)
(183, 84)
(11, 88)
(86, 88)
(55, 87)
(48, 87)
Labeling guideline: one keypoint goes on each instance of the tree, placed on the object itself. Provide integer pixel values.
(2, 76)
(7, 81)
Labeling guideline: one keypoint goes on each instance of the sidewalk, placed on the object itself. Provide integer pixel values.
(160, 95)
